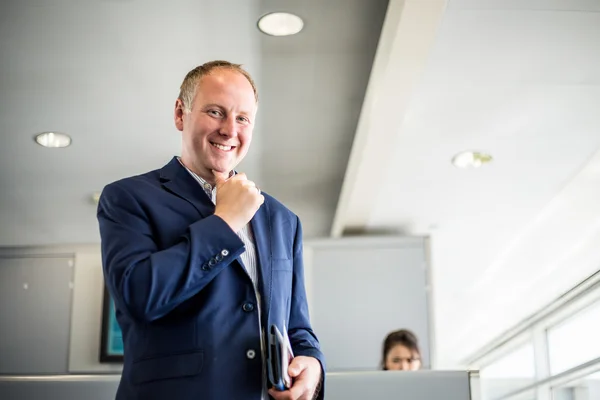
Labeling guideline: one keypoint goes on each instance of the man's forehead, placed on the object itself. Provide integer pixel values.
(226, 78)
(222, 87)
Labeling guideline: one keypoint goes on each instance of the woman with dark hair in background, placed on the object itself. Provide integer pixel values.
(401, 352)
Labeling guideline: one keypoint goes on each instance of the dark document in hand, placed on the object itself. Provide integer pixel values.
(279, 358)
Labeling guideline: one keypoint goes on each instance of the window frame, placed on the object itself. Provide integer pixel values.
(535, 329)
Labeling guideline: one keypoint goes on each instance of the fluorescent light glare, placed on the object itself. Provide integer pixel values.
(471, 159)
(280, 24)
(53, 139)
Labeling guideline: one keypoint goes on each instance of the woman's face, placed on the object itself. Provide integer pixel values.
(401, 358)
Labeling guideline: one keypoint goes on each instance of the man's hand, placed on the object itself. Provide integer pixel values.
(306, 375)
(238, 199)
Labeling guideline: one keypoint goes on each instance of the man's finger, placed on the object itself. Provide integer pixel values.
(277, 395)
(298, 390)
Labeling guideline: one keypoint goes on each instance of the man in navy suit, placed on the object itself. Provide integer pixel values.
(200, 262)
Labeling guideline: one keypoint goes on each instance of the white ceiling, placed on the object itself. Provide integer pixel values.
(108, 72)
(518, 79)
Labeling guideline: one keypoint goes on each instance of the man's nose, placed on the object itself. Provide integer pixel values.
(228, 127)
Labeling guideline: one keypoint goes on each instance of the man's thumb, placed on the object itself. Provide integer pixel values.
(295, 368)
(220, 177)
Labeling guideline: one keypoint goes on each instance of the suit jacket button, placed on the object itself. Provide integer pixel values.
(248, 307)
(212, 262)
(250, 354)
(224, 252)
(205, 267)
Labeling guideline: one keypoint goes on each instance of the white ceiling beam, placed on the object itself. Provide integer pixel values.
(408, 34)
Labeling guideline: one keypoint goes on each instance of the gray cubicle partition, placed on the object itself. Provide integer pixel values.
(371, 385)
(387, 385)
(59, 387)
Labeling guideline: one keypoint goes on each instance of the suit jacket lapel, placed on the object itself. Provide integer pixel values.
(175, 178)
(261, 228)
(178, 181)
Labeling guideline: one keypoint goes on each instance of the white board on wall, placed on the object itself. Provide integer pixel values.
(362, 288)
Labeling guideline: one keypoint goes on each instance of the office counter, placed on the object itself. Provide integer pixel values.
(374, 385)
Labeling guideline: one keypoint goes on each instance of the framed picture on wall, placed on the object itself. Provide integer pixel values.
(111, 345)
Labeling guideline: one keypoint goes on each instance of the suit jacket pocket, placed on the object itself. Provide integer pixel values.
(167, 367)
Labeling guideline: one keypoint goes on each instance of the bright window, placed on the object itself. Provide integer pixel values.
(519, 363)
(575, 340)
(586, 388)
(509, 373)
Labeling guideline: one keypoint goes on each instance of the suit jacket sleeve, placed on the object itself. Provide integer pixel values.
(148, 282)
(303, 339)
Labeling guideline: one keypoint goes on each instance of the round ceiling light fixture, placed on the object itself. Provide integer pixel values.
(53, 139)
(280, 24)
(471, 159)
(96, 197)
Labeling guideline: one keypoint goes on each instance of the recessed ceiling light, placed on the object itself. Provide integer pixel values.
(96, 197)
(471, 159)
(280, 24)
(53, 139)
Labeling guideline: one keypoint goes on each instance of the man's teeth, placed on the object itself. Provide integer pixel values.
(219, 146)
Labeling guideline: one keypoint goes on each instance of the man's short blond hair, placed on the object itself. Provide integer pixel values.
(188, 88)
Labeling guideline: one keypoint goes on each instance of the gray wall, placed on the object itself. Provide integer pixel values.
(358, 290)
(35, 307)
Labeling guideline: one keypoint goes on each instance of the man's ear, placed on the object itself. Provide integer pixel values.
(178, 114)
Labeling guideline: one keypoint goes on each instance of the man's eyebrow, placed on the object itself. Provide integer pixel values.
(213, 105)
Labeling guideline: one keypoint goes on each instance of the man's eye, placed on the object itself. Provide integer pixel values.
(216, 113)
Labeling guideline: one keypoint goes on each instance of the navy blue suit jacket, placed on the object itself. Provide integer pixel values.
(185, 304)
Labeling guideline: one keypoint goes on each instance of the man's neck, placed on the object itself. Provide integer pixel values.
(207, 176)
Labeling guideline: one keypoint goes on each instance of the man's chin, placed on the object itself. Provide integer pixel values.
(224, 167)
(221, 169)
